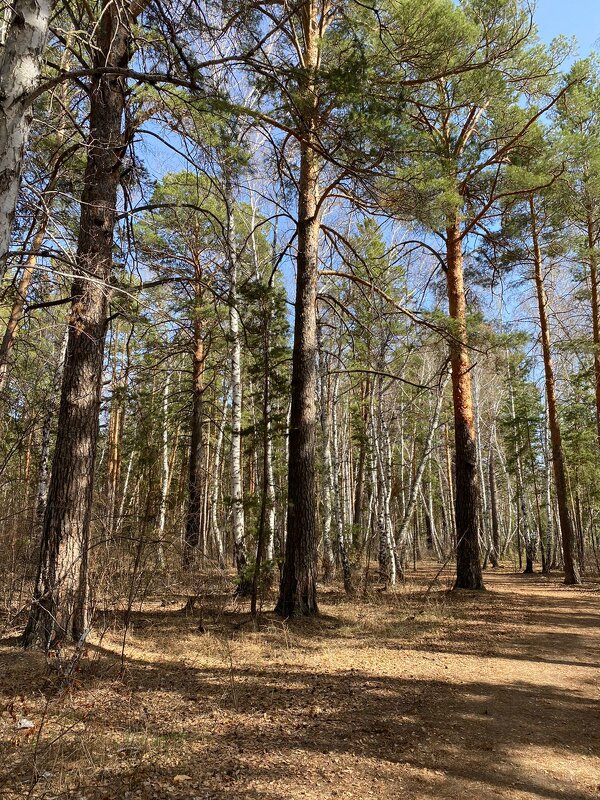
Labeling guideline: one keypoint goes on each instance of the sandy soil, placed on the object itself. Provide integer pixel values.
(411, 696)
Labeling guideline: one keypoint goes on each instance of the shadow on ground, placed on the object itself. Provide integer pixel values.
(172, 728)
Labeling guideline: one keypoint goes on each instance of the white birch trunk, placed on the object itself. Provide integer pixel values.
(335, 490)
(550, 552)
(119, 520)
(216, 485)
(270, 492)
(237, 491)
(20, 70)
(387, 562)
(164, 486)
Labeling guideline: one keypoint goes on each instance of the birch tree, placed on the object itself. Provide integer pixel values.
(20, 70)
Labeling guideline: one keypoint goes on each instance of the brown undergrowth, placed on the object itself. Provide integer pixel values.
(407, 694)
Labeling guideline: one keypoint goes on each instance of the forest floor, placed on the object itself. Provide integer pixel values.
(411, 695)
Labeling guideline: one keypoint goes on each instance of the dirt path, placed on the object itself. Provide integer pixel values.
(470, 696)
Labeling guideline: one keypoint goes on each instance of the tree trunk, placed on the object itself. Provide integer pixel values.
(298, 588)
(265, 526)
(164, 480)
(359, 491)
(115, 433)
(550, 539)
(468, 567)
(60, 606)
(525, 534)
(42, 486)
(328, 557)
(19, 75)
(485, 537)
(566, 526)
(43, 218)
(237, 491)
(418, 477)
(271, 521)
(215, 491)
(495, 551)
(450, 480)
(388, 562)
(334, 478)
(193, 521)
(595, 314)
(16, 312)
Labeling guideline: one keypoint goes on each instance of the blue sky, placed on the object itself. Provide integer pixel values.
(580, 18)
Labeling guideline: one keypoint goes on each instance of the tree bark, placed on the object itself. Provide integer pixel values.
(328, 557)
(495, 551)
(20, 70)
(193, 521)
(468, 566)
(298, 588)
(359, 483)
(566, 526)
(237, 490)
(334, 478)
(43, 218)
(164, 478)
(60, 605)
(215, 529)
(595, 314)
(42, 484)
(550, 539)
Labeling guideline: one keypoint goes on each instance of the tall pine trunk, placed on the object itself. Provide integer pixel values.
(468, 566)
(298, 587)
(60, 605)
(193, 522)
(558, 462)
(595, 302)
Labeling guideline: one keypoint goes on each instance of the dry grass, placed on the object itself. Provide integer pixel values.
(408, 694)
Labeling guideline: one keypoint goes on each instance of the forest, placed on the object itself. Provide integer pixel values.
(299, 401)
